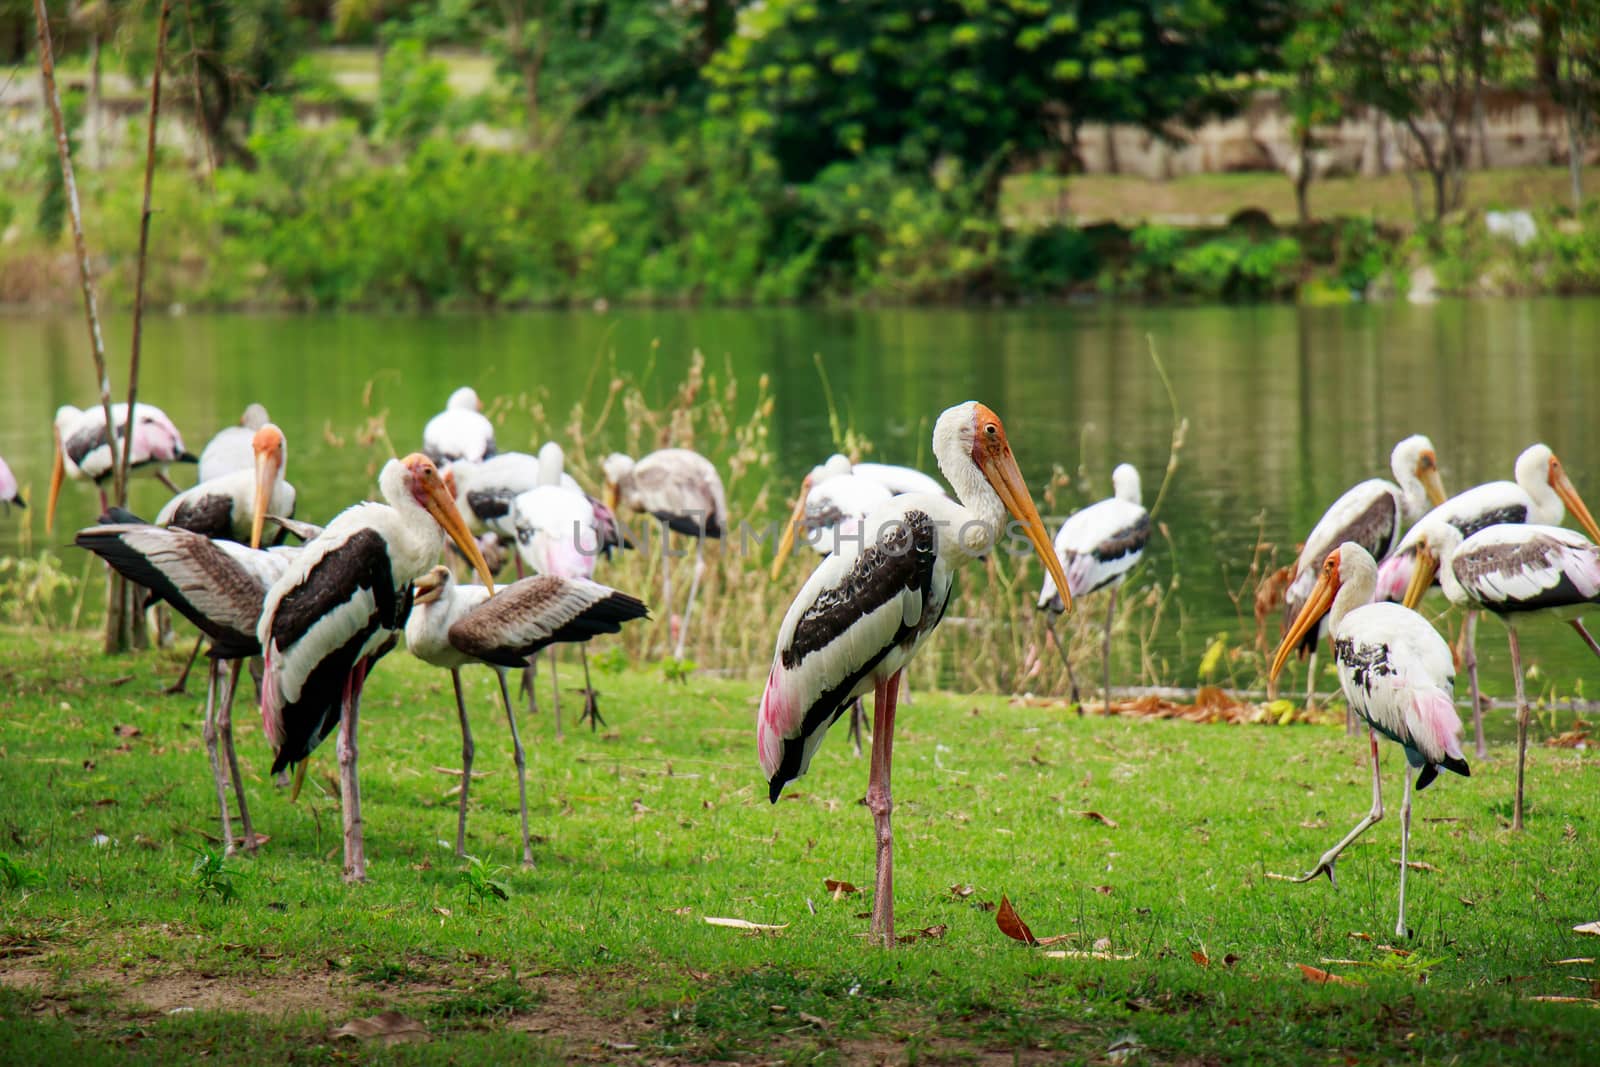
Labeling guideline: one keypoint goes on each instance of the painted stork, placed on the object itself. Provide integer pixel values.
(235, 506)
(1370, 514)
(485, 491)
(9, 491)
(82, 451)
(1511, 570)
(683, 490)
(453, 625)
(1098, 546)
(1542, 493)
(232, 447)
(339, 608)
(219, 586)
(1398, 675)
(460, 431)
(865, 610)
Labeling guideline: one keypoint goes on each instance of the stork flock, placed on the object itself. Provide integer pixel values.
(322, 614)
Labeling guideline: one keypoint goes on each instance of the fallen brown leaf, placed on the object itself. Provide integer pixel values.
(1574, 961)
(961, 892)
(125, 730)
(1357, 935)
(1566, 1000)
(1095, 816)
(1103, 890)
(1201, 958)
(931, 932)
(743, 924)
(1587, 928)
(1230, 959)
(1419, 865)
(1011, 923)
(1322, 977)
(839, 889)
(390, 1028)
(1073, 954)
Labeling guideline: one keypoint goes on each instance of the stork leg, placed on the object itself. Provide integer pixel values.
(1522, 722)
(530, 676)
(466, 762)
(355, 848)
(555, 689)
(1105, 649)
(881, 803)
(694, 584)
(520, 758)
(226, 725)
(209, 733)
(161, 476)
(1469, 660)
(1577, 624)
(855, 725)
(666, 579)
(1325, 864)
(591, 701)
(183, 679)
(1405, 844)
(1066, 661)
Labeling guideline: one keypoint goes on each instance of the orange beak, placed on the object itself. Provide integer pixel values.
(1428, 475)
(1423, 570)
(791, 530)
(1317, 605)
(58, 473)
(269, 466)
(1569, 496)
(1000, 468)
(438, 502)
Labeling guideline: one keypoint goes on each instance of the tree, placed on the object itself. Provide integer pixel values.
(982, 81)
(1570, 38)
(1311, 98)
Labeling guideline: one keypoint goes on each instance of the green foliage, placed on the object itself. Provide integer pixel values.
(613, 660)
(16, 875)
(50, 217)
(415, 98)
(497, 998)
(1233, 265)
(1050, 259)
(213, 877)
(30, 587)
(677, 670)
(483, 883)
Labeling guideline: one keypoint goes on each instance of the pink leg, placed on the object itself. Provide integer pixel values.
(225, 724)
(1330, 857)
(210, 734)
(1522, 722)
(881, 803)
(355, 855)
(1577, 624)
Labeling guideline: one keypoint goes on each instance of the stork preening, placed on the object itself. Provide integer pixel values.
(82, 451)
(219, 586)
(1511, 570)
(10, 493)
(454, 625)
(235, 506)
(1398, 675)
(1097, 547)
(232, 448)
(339, 608)
(460, 431)
(1370, 514)
(1542, 494)
(867, 608)
(683, 490)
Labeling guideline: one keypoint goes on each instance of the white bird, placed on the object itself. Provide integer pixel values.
(231, 448)
(82, 451)
(865, 610)
(339, 608)
(460, 431)
(486, 490)
(9, 491)
(1098, 546)
(219, 586)
(1541, 494)
(683, 490)
(235, 506)
(453, 625)
(1371, 514)
(1511, 570)
(893, 478)
(1397, 673)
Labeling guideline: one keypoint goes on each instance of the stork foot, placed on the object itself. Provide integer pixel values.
(591, 709)
(1324, 867)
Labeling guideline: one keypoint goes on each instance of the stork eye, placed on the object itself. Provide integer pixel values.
(991, 429)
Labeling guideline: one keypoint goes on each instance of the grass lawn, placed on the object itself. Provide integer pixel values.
(1209, 199)
(601, 951)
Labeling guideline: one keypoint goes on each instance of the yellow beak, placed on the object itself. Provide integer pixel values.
(438, 502)
(269, 464)
(1422, 574)
(1433, 485)
(613, 495)
(1569, 496)
(1002, 472)
(58, 472)
(1317, 606)
(791, 530)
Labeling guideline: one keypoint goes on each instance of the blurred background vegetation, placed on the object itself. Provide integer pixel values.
(474, 153)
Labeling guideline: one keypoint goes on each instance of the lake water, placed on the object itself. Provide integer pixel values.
(1287, 406)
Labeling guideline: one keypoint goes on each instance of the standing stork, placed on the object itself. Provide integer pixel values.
(219, 586)
(235, 506)
(1397, 673)
(1370, 514)
(866, 609)
(82, 450)
(339, 608)
(1098, 546)
(683, 490)
(232, 447)
(1511, 570)
(453, 625)
(9, 491)
(460, 431)
(1542, 494)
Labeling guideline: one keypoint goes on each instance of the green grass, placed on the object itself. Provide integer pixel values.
(601, 952)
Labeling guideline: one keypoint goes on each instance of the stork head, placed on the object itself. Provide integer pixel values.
(433, 585)
(1414, 463)
(464, 399)
(616, 467)
(1434, 543)
(1538, 466)
(254, 417)
(1349, 570)
(271, 454)
(1125, 484)
(791, 529)
(428, 488)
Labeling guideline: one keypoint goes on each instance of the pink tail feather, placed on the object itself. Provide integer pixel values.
(772, 726)
(271, 705)
(1439, 733)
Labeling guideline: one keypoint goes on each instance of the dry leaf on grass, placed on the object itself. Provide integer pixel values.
(1095, 816)
(1011, 923)
(390, 1028)
(1566, 1000)
(1201, 958)
(1418, 865)
(1574, 961)
(839, 889)
(930, 932)
(125, 730)
(1587, 928)
(961, 892)
(1075, 954)
(1357, 935)
(1322, 977)
(744, 924)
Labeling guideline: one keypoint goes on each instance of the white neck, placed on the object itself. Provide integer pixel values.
(1355, 590)
(415, 539)
(987, 515)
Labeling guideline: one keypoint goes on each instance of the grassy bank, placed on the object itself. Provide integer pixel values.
(118, 950)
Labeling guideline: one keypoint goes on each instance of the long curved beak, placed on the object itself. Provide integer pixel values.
(1002, 472)
(1569, 496)
(791, 530)
(1317, 606)
(442, 507)
(613, 496)
(426, 589)
(1433, 485)
(269, 464)
(1423, 569)
(58, 473)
